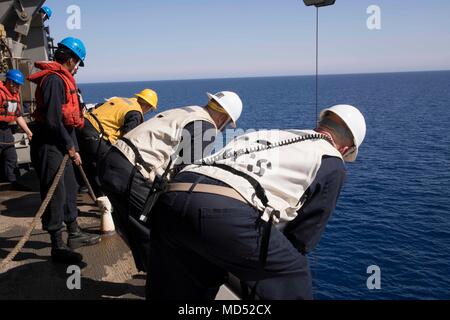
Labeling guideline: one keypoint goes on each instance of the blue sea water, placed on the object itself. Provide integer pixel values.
(394, 209)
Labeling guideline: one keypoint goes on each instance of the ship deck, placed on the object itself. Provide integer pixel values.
(107, 270)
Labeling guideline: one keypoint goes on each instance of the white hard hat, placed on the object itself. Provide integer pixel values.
(355, 122)
(230, 102)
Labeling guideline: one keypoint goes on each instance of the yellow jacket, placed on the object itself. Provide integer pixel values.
(111, 116)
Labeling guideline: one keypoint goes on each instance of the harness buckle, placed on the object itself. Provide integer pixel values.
(271, 215)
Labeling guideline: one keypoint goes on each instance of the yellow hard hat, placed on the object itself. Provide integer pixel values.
(149, 96)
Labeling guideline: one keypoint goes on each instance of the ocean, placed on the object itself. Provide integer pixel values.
(394, 209)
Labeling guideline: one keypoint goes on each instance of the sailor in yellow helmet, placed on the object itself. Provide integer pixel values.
(119, 115)
(106, 123)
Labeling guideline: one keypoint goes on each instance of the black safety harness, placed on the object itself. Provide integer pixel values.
(102, 130)
(160, 186)
(102, 133)
(267, 227)
(261, 194)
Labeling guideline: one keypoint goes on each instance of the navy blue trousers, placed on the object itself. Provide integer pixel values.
(46, 159)
(92, 150)
(127, 190)
(7, 153)
(198, 238)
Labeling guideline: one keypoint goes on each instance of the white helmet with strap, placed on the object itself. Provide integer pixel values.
(355, 122)
(230, 102)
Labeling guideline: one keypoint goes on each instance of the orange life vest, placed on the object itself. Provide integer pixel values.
(9, 104)
(71, 110)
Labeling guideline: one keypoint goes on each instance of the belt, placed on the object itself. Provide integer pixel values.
(205, 188)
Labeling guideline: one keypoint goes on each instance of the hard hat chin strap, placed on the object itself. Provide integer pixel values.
(216, 107)
(225, 124)
(349, 152)
(77, 65)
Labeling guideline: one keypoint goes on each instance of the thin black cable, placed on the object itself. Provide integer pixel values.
(317, 64)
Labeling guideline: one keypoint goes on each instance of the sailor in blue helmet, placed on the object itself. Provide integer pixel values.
(58, 113)
(10, 111)
(46, 12)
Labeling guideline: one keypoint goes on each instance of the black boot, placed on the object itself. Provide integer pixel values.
(61, 252)
(78, 238)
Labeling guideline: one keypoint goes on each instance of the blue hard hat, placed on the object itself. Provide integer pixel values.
(15, 76)
(76, 46)
(47, 11)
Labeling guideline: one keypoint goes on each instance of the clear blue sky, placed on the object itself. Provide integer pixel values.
(188, 39)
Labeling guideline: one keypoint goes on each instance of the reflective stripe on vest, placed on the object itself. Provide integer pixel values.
(158, 138)
(111, 116)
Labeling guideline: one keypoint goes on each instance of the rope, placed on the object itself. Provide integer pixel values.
(88, 185)
(13, 142)
(317, 64)
(7, 47)
(39, 213)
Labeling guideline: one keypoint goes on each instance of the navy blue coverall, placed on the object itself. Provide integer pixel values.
(48, 147)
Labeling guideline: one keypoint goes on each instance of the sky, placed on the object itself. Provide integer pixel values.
(139, 40)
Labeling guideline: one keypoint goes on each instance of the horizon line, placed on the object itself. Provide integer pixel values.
(270, 76)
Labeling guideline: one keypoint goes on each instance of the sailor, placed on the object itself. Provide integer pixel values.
(46, 13)
(255, 211)
(10, 111)
(103, 125)
(57, 114)
(146, 154)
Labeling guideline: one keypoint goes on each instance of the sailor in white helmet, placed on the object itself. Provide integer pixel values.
(132, 170)
(253, 210)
